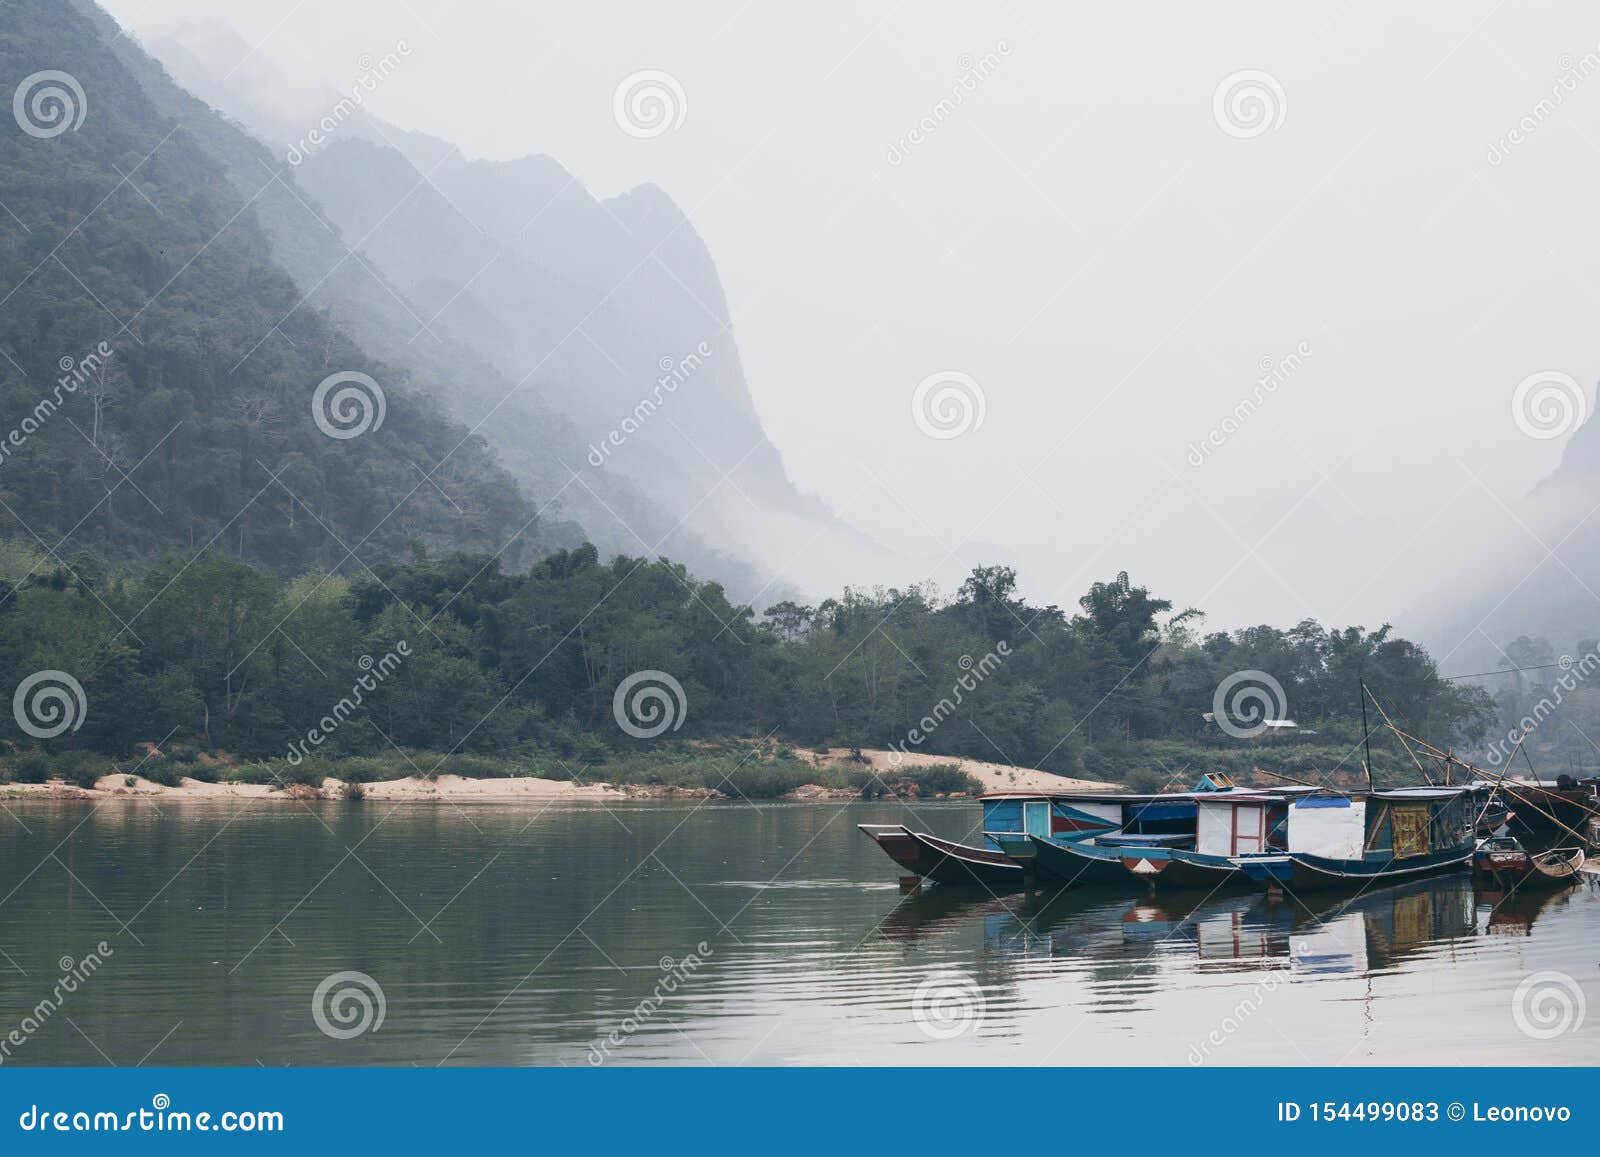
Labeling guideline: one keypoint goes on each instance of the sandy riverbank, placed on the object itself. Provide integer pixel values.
(520, 789)
(993, 776)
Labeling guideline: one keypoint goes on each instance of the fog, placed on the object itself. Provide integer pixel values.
(1247, 293)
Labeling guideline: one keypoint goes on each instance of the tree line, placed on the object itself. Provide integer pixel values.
(214, 653)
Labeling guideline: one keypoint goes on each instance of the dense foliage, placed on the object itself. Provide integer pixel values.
(195, 425)
(1552, 696)
(211, 652)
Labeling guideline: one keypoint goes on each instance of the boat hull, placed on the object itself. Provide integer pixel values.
(1015, 847)
(944, 861)
(1070, 862)
(1170, 868)
(1515, 868)
(1542, 811)
(1298, 871)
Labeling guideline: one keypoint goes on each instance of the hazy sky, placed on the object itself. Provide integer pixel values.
(1110, 252)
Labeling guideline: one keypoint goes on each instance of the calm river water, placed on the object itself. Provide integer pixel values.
(572, 934)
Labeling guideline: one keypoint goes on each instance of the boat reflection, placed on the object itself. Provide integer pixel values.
(1371, 930)
(1513, 912)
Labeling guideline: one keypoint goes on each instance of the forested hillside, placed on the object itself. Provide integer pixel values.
(124, 232)
(534, 440)
(527, 666)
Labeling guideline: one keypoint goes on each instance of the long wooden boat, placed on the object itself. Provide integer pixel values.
(1228, 825)
(1007, 858)
(1507, 864)
(1078, 862)
(1352, 840)
(1089, 833)
(1179, 839)
(945, 861)
(1562, 808)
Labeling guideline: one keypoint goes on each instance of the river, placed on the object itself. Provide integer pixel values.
(271, 932)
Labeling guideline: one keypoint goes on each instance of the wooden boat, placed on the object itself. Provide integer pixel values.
(1093, 837)
(1490, 809)
(1080, 861)
(1228, 824)
(944, 861)
(1015, 822)
(1012, 821)
(1179, 839)
(1345, 840)
(1560, 808)
(1504, 861)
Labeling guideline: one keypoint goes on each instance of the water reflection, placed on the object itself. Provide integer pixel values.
(1367, 931)
(509, 935)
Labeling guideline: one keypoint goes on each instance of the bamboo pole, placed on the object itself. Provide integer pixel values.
(1428, 779)
(1499, 778)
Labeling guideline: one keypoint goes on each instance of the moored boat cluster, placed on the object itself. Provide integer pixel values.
(1219, 834)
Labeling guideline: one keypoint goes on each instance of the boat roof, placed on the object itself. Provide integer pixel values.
(1413, 792)
(1239, 794)
(1233, 795)
(1548, 783)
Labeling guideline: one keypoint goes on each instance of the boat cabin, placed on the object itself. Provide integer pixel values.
(1241, 825)
(1216, 817)
(1079, 816)
(1391, 825)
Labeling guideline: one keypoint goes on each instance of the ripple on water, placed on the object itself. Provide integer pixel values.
(548, 939)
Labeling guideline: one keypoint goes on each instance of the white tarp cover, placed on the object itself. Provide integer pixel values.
(1214, 828)
(1335, 833)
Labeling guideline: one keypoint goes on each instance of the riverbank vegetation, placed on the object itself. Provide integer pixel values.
(208, 664)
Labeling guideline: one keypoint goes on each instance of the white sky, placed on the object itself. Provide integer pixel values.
(1083, 239)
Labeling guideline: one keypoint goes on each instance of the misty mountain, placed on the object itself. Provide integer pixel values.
(156, 368)
(1523, 588)
(539, 445)
(612, 353)
(610, 310)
